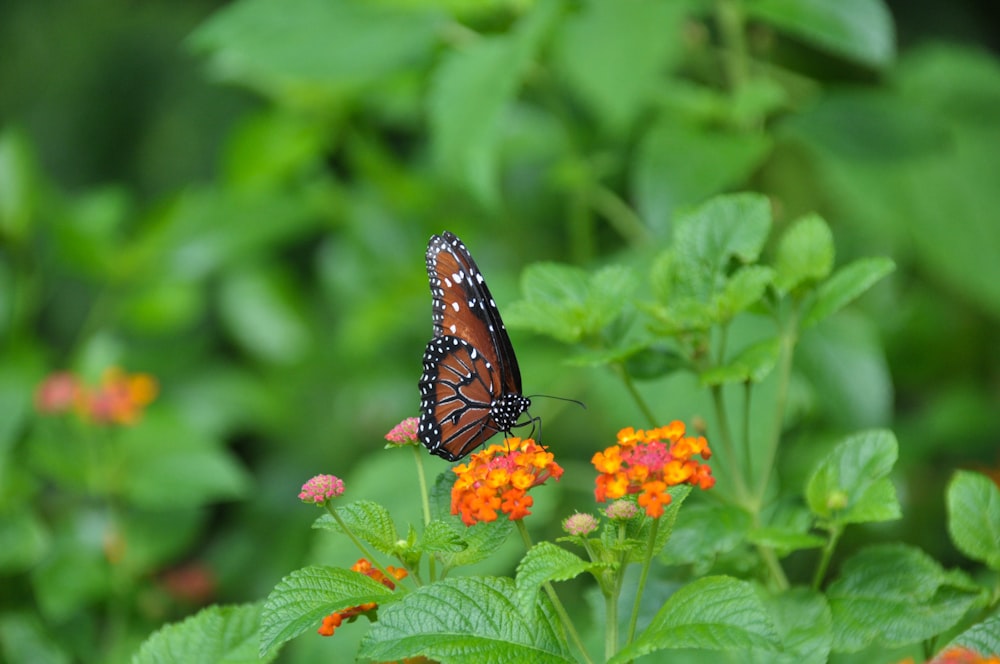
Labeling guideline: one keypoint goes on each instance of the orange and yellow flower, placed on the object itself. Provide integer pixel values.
(649, 462)
(498, 479)
(959, 655)
(336, 619)
(119, 398)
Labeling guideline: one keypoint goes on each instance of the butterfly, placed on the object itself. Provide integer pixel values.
(470, 388)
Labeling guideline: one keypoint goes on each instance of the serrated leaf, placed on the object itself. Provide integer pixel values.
(726, 228)
(470, 620)
(753, 364)
(846, 285)
(566, 303)
(803, 621)
(303, 598)
(481, 541)
(713, 613)
(974, 517)
(213, 635)
(545, 562)
(805, 253)
(983, 637)
(367, 520)
(470, 91)
(861, 30)
(613, 55)
(702, 532)
(439, 536)
(850, 484)
(895, 595)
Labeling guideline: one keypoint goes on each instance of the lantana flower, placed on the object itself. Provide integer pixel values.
(404, 433)
(336, 619)
(119, 398)
(647, 463)
(321, 488)
(959, 655)
(499, 478)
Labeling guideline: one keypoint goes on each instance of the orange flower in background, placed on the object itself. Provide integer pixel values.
(335, 619)
(649, 462)
(499, 478)
(119, 398)
(959, 655)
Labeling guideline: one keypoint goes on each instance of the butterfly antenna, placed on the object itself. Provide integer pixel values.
(551, 396)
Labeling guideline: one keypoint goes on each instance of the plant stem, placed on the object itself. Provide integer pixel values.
(619, 215)
(788, 339)
(639, 401)
(824, 561)
(425, 502)
(726, 438)
(643, 575)
(730, 19)
(358, 543)
(556, 604)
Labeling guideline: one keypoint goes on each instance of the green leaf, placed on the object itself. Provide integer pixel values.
(367, 520)
(753, 364)
(805, 627)
(565, 303)
(850, 485)
(545, 562)
(300, 48)
(481, 541)
(805, 253)
(25, 641)
(847, 284)
(743, 289)
(472, 620)
(613, 55)
(861, 30)
(714, 613)
(166, 462)
(19, 177)
(705, 240)
(469, 95)
(23, 540)
(983, 637)
(974, 517)
(680, 165)
(439, 536)
(224, 634)
(784, 540)
(703, 532)
(895, 595)
(260, 309)
(302, 599)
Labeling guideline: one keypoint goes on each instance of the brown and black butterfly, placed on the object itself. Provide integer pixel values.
(471, 385)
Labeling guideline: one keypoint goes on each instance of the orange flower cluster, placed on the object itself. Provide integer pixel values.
(960, 655)
(120, 398)
(335, 619)
(648, 462)
(498, 478)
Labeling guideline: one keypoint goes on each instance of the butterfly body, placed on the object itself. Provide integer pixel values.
(470, 388)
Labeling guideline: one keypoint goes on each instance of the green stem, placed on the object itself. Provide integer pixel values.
(639, 400)
(731, 21)
(557, 605)
(364, 550)
(788, 339)
(726, 440)
(611, 599)
(824, 561)
(425, 502)
(620, 215)
(643, 575)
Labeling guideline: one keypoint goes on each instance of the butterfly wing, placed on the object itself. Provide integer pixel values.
(471, 384)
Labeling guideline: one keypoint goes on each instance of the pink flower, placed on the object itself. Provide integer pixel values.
(58, 393)
(580, 524)
(621, 510)
(404, 433)
(320, 489)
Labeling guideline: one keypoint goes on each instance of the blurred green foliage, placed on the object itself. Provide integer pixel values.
(236, 199)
